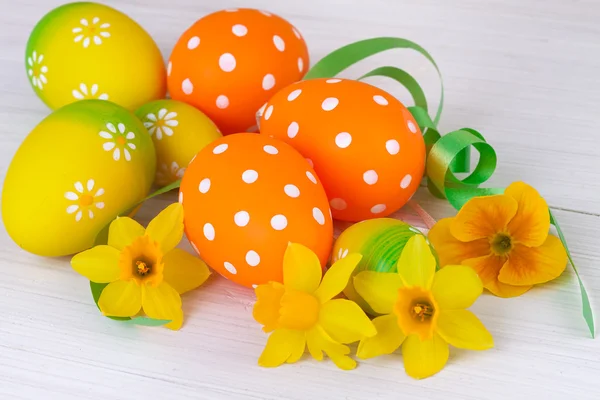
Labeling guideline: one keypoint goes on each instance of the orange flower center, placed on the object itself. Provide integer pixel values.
(298, 310)
(416, 312)
(142, 262)
(86, 200)
(501, 244)
(121, 141)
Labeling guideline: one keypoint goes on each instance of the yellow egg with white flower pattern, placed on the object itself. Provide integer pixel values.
(82, 166)
(179, 132)
(91, 51)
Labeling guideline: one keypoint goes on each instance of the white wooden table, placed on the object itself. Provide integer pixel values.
(524, 72)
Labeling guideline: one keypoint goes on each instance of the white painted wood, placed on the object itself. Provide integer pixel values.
(525, 73)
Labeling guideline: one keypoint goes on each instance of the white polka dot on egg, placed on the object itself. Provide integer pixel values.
(204, 185)
(220, 148)
(311, 177)
(239, 30)
(227, 62)
(377, 209)
(222, 102)
(406, 181)
(254, 286)
(193, 42)
(300, 64)
(382, 101)
(249, 176)
(392, 146)
(310, 162)
(291, 190)
(338, 204)
(292, 130)
(279, 43)
(241, 218)
(343, 140)
(268, 82)
(412, 127)
(279, 222)
(294, 94)
(209, 232)
(268, 14)
(252, 258)
(370, 177)
(181, 197)
(270, 149)
(169, 68)
(329, 103)
(268, 112)
(186, 86)
(229, 267)
(296, 33)
(333, 80)
(318, 216)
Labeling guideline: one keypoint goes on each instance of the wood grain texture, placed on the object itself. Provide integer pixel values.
(525, 73)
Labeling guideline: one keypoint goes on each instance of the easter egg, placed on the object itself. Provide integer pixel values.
(245, 197)
(179, 132)
(91, 51)
(380, 241)
(79, 168)
(229, 63)
(364, 144)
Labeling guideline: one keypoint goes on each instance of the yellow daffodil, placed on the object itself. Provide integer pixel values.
(423, 310)
(143, 268)
(301, 312)
(505, 239)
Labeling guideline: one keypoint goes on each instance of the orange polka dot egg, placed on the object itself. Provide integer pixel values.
(245, 197)
(364, 144)
(229, 63)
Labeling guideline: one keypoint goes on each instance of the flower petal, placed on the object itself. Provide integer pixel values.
(301, 268)
(452, 251)
(176, 321)
(167, 227)
(161, 302)
(483, 217)
(488, 268)
(416, 265)
(462, 329)
(161, 113)
(456, 287)
(533, 265)
(424, 358)
(531, 224)
(378, 289)
(345, 321)
(121, 299)
(282, 346)
(266, 308)
(319, 341)
(336, 278)
(183, 271)
(99, 264)
(168, 131)
(387, 340)
(77, 95)
(122, 232)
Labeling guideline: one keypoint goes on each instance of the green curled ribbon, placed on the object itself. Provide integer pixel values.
(447, 154)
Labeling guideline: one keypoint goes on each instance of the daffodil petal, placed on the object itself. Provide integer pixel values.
(99, 264)
(483, 217)
(161, 302)
(456, 287)
(121, 299)
(345, 321)
(123, 231)
(533, 265)
(387, 340)
(424, 358)
(416, 265)
(336, 278)
(176, 321)
(183, 271)
(452, 251)
(282, 345)
(268, 302)
(319, 341)
(488, 268)
(298, 347)
(531, 223)
(378, 289)
(462, 329)
(301, 268)
(167, 227)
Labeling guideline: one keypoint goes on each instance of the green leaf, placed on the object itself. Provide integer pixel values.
(145, 321)
(162, 190)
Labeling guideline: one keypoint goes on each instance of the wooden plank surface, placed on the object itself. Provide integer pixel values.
(525, 73)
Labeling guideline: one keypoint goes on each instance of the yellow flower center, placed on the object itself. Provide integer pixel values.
(37, 69)
(86, 200)
(298, 310)
(121, 141)
(416, 311)
(501, 244)
(142, 262)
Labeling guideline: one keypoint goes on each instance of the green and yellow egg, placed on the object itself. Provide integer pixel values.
(87, 50)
